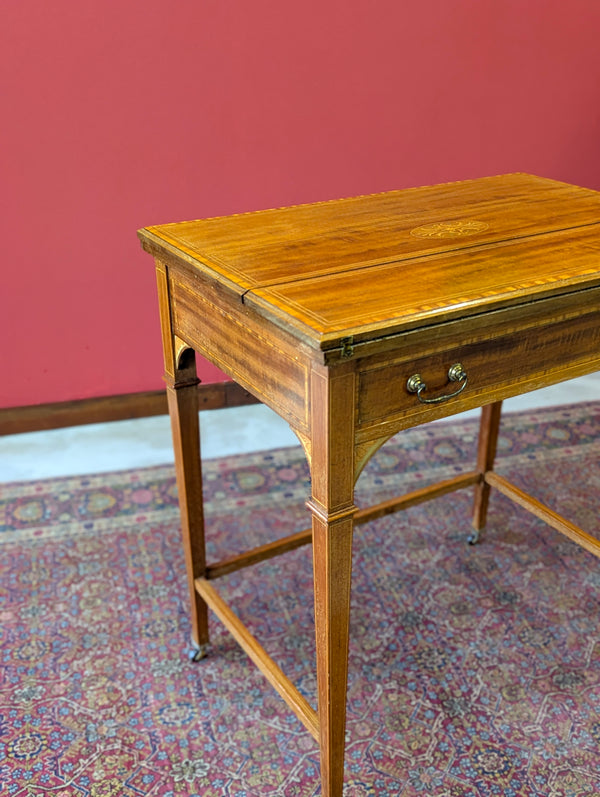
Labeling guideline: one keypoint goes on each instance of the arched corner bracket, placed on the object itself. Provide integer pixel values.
(182, 351)
(305, 442)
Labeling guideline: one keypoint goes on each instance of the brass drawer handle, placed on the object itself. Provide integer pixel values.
(456, 373)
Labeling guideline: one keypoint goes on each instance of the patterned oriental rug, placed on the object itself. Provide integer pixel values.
(474, 670)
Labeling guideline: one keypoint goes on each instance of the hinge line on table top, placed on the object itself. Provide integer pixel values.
(366, 264)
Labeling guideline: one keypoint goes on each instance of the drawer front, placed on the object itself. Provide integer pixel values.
(496, 368)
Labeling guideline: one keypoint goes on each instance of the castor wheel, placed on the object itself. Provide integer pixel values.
(198, 652)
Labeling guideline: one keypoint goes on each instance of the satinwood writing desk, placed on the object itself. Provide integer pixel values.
(354, 319)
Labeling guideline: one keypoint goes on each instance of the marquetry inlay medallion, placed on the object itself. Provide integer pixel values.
(450, 229)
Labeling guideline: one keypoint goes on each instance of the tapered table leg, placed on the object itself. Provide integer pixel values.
(182, 394)
(332, 553)
(486, 454)
(332, 507)
(183, 409)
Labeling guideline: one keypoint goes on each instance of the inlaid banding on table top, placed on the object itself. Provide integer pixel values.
(273, 246)
(439, 287)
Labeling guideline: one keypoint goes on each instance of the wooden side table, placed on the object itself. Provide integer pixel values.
(354, 319)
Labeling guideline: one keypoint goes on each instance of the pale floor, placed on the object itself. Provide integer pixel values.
(147, 441)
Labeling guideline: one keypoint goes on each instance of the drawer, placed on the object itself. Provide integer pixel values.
(496, 368)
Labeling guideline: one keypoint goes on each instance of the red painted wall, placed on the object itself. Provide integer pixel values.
(121, 113)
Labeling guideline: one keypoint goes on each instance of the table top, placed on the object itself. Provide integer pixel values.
(370, 266)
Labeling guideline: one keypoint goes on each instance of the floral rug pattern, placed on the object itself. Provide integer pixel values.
(474, 670)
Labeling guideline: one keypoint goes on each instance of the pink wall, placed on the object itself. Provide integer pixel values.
(123, 113)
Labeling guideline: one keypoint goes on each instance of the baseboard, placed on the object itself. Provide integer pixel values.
(39, 417)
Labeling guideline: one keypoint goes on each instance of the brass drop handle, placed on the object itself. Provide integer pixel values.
(456, 373)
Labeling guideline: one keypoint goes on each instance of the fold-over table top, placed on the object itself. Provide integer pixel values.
(376, 265)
